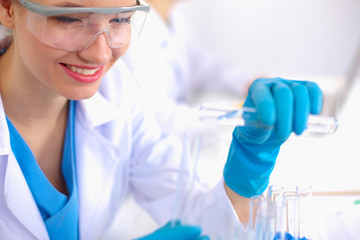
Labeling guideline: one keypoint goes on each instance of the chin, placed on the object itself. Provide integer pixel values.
(80, 94)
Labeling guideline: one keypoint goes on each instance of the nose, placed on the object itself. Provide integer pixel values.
(98, 51)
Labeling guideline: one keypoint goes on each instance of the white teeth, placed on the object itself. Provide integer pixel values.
(83, 71)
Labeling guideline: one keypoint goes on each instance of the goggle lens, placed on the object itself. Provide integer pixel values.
(77, 31)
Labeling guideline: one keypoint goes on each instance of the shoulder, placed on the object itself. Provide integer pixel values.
(117, 98)
(118, 85)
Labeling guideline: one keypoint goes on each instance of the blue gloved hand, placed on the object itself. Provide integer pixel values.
(287, 236)
(284, 105)
(176, 231)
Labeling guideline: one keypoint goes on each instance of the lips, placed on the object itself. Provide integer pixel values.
(84, 71)
(83, 74)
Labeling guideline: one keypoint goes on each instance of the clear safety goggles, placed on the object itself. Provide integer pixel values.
(76, 28)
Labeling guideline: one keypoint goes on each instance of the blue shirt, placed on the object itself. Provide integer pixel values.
(59, 212)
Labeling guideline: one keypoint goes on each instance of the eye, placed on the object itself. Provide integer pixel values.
(66, 19)
(121, 20)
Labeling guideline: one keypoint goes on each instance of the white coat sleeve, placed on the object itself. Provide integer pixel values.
(154, 175)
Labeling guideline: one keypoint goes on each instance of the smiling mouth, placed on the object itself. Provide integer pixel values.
(83, 71)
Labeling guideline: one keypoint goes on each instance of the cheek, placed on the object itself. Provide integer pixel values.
(121, 51)
(37, 57)
(118, 53)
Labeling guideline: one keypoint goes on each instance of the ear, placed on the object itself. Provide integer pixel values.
(7, 13)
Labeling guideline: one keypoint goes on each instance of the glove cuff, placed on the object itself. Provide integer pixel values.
(249, 166)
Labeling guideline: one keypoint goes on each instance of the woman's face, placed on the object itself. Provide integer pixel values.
(71, 74)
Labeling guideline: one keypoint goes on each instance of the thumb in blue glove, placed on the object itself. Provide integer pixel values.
(176, 231)
(284, 106)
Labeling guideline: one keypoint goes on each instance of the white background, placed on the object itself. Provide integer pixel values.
(312, 37)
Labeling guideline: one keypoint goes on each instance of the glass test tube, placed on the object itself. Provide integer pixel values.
(304, 193)
(275, 199)
(255, 222)
(262, 220)
(291, 213)
(247, 117)
(266, 215)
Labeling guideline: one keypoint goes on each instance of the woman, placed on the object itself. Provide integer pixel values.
(70, 153)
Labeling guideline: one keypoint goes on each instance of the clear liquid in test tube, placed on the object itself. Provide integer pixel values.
(246, 116)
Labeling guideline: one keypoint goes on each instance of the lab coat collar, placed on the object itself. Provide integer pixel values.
(4, 136)
(97, 110)
(96, 161)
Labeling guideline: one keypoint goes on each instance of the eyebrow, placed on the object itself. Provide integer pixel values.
(68, 5)
(71, 4)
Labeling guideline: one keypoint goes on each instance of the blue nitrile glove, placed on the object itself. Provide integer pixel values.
(282, 104)
(176, 231)
(288, 236)
(279, 236)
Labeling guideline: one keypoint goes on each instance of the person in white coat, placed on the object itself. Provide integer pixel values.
(70, 152)
(173, 68)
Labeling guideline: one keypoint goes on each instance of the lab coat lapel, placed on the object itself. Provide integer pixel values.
(14, 191)
(20, 200)
(95, 164)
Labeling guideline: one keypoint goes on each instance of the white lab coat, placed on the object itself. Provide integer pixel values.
(173, 68)
(120, 150)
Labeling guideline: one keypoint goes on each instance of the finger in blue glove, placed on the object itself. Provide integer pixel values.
(284, 104)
